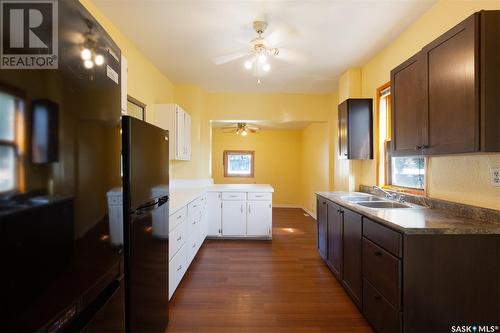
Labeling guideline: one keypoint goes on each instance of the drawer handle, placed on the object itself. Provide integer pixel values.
(233, 196)
(180, 216)
(194, 222)
(259, 196)
(377, 253)
(377, 297)
(178, 239)
(179, 268)
(194, 206)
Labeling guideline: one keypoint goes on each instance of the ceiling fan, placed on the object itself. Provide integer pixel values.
(260, 49)
(241, 129)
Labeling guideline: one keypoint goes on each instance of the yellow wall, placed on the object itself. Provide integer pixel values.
(462, 179)
(277, 161)
(315, 164)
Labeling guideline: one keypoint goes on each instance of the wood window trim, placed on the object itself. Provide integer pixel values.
(139, 104)
(387, 166)
(239, 152)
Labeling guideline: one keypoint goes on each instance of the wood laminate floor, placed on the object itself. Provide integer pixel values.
(262, 286)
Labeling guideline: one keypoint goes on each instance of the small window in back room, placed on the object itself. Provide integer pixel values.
(239, 163)
(407, 172)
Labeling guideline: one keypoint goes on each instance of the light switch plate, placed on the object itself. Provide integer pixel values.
(495, 177)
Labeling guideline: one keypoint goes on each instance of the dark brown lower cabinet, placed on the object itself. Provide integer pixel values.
(321, 208)
(380, 313)
(335, 239)
(352, 232)
(411, 282)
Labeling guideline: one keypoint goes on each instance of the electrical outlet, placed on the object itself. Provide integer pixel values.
(495, 177)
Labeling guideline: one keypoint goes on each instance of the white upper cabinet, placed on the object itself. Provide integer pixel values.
(124, 84)
(178, 122)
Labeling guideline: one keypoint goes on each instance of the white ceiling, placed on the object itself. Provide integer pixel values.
(181, 37)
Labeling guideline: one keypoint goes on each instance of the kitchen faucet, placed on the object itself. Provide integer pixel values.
(389, 195)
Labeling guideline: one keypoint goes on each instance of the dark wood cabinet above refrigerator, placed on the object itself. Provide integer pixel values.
(356, 129)
(446, 98)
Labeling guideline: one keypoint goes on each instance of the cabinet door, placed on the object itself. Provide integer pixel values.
(409, 110)
(334, 238)
(214, 213)
(453, 90)
(343, 153)
(259, 218)
(179, 133)
(234, 220)
(321, 227)
(352, 247)
(187, 137)
(360, 129)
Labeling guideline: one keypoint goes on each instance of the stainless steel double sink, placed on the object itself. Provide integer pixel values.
(372, 201)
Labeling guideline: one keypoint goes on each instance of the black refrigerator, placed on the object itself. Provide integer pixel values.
(63, 267)
(145, 216)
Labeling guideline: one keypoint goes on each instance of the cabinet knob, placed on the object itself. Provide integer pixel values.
(378, 253)
(345, 154)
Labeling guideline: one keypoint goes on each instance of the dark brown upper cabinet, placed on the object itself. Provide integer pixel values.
(356, 129)
(409, 123)
(446, 98)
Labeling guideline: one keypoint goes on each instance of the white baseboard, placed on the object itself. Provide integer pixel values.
(190, 183)
(309, 212)
(286, 206)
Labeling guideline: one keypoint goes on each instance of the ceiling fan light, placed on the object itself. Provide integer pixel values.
(262, 58)
(248, 65)
(266, 67)
(244, 132)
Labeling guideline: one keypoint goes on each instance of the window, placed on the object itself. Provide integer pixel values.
(136, 108)
(239, 163)
(8, 143)
(408, 172)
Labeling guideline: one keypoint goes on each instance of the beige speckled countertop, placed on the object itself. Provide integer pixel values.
(417, 219)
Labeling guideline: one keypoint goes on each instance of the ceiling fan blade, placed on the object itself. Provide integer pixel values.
(228, 58)
(290, 56)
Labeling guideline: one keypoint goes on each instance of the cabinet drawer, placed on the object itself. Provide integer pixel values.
(176, 269)
(193, 227)
(234, 196)
(383, 270)
(260, 196)
(194, 206)
(177, 238)
(382, 236)
(177, 218)
(192, 247)
(379, 312)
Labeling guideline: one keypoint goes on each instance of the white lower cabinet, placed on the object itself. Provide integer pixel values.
(176, 269)
(185, 239)
(234, 218)
(259, 218)
(240, 214)
(214, 213)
